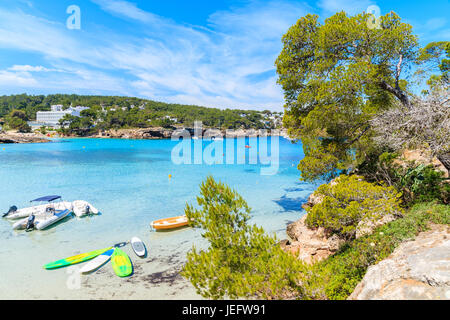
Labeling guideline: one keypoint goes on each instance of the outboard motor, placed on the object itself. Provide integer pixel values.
(11, 210)
(87, 209)
(30, 223)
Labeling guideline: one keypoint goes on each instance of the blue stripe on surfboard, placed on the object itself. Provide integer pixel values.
(108, 253)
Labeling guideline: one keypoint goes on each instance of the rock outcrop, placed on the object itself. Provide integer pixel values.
(311, 245)
(418, 269)
(147, 133)
(166, 133)
(16, 137)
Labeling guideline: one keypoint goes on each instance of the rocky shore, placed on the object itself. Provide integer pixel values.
(154, 133)
(17, 137)
(417, 269)
(164, 133)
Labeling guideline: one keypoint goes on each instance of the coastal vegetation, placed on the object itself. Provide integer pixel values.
(339, 76)
(351, 201)
(17, 120)
(242, 260)
(349, 99)
(113, 112)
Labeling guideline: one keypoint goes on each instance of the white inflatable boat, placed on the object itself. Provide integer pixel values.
(41, 220)
(83, 208)
(15, 213)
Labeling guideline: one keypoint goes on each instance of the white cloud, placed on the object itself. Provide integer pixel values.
(13, 79)
(28, 68)
(228, 64)
(435, 23)
(352, 7)
(125, 9)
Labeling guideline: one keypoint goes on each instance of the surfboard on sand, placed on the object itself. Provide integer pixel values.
(121, 263)
(138, 246)
(97, 262)
(75, 259)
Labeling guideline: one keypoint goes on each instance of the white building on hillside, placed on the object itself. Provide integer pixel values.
(51, 118)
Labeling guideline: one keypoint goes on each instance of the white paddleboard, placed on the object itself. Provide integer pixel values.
(97, 262)
(138, 246)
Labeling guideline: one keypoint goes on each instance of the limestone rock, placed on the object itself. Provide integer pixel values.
(17, 137)
(311, 245)
(417, 269)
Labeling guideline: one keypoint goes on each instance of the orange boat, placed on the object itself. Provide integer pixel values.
(170, 223)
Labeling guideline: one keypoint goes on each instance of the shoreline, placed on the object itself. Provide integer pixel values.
(158, 133)
(12, 137)
(17, 137)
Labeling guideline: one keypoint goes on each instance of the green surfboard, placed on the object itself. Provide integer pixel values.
(121, 263)
(75, 259)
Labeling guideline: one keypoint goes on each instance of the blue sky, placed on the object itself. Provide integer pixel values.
(210, 53)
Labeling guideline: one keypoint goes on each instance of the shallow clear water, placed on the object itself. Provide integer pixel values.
(128, 181)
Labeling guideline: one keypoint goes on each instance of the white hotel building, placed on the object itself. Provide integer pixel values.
(51, 118)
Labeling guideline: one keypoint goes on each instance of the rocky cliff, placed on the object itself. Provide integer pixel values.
(418, 269)
(310, 245)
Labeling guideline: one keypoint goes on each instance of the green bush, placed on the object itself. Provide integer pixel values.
(423, 184)
(417, 182)
(241, 261)
(349, 201)
(18, 124)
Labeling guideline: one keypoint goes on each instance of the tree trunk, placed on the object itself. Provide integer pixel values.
(444, 158)
(396, 91)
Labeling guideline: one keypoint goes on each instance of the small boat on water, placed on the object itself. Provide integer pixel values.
(41, 221)
(79, 207)
(43, 215)
(170, 223)
(14, 213)
(83, 208)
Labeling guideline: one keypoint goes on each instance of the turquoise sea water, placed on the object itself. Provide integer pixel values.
(128, 181)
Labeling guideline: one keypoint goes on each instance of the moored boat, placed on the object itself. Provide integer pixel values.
(15, 213)
(170, 223)
(82, 208)
(41, 221)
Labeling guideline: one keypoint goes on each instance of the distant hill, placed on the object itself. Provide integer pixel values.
(121, 112)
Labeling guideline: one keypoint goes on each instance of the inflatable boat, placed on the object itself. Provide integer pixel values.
(14, 213)
(83, 208)
(41, 221)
